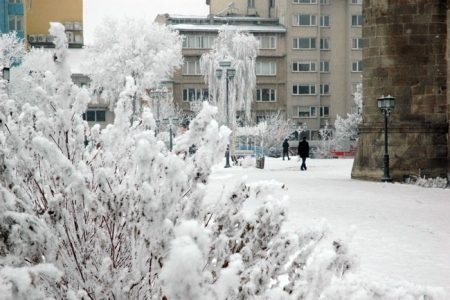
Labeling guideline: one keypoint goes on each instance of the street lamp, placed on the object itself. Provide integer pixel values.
(6, 73)
(385, 104)
(158, 93)
(299, 130)
(171, 122)
(230, 75)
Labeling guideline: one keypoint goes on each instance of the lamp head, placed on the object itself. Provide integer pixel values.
(231, 73)
(219, 73)
(225, 64)
(386, 103)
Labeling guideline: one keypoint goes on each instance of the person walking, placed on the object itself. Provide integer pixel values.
(303, 152)
(286, 149)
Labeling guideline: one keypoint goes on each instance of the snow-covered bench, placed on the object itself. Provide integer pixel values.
(238, 155)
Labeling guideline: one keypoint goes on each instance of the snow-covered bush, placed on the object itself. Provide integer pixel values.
(437, 182)
(11, 49)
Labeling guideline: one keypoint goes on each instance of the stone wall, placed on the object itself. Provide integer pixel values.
(405, 55)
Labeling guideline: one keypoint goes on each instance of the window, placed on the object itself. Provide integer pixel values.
(325, 66)
(325, 44)
(324, 89)
(191, 68)
(267, 42)
(265, 95)
(251, 3)
(15, 23)
(304, 66)
(271, 3)
(357, 20)
(357, 43)
(304, 20)
(324, 21)
(198, 42)
(304, 89)
(266, 68)
(325, 2)
(357, 66)
(355, 110)
(16, 1)
(304, 43)
(95, 115)
(305, 111)
(324, 111)
(356, 1)
(195, 94)
(304, 1)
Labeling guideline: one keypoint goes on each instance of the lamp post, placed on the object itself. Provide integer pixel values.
(299, 130)
(170, 122)
(158, 93)
(230, 73)
(385, 104)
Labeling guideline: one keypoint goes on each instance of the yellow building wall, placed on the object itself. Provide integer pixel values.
(39, 14)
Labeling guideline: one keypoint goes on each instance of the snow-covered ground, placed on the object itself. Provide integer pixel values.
(402, 231)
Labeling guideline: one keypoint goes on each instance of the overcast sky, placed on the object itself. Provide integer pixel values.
(94, 11)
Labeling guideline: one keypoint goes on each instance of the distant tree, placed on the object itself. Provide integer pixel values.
(326, 142)
(135, 47)
(278, 129)
(240, 48)
(11, 49)
(348, 128)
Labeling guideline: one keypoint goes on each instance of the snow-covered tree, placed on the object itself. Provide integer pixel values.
(326, 142)
(348, 128)
(269, 134)
(11, 49)
(136, 47)
(240, 48)
(277, 130)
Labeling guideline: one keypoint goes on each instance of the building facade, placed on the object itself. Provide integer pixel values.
(39, 14)
(200, 32)
(323, 54)
(12, 17)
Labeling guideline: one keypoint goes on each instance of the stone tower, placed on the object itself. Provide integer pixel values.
(405, 55)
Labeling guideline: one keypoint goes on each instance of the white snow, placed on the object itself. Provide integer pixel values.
(402, 231)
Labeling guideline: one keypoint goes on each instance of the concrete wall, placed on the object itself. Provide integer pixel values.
(40, 13)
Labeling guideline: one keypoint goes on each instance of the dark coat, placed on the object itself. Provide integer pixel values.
(303, 149)
(285, 146)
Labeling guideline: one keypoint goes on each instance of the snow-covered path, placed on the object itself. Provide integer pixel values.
(402, 231)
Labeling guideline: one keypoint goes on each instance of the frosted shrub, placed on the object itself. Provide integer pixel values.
(437, 182)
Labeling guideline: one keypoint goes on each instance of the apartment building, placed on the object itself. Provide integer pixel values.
(200, 33)
(323, 54)
(39, 14)
(11, 15)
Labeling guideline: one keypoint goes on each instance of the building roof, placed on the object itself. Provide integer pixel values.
(216, 28)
